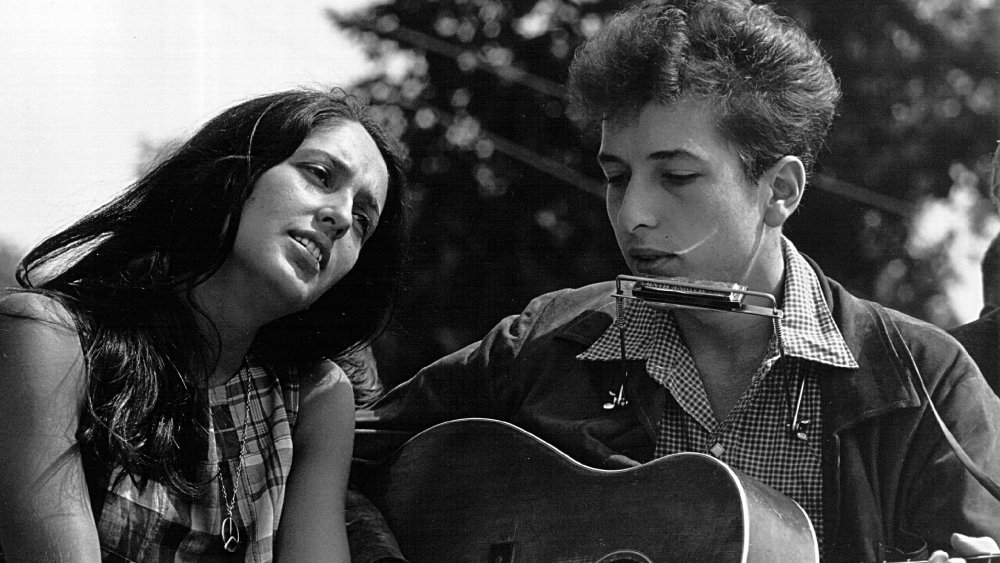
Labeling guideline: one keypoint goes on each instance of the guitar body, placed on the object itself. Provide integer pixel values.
(481, 491)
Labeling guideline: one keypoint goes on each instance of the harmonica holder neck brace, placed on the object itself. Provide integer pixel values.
(702, 295)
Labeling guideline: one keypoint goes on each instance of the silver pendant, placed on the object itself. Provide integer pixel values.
(230, 535)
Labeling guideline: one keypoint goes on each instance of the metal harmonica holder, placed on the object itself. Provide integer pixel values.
(685, 293)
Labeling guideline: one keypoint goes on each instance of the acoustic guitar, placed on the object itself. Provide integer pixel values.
(484, 491)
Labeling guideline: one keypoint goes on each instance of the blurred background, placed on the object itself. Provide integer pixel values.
(507, 195)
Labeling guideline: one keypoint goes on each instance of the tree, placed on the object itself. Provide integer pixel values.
(920, 99)
(507, 196)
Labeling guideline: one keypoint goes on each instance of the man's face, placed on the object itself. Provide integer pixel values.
(677, 196)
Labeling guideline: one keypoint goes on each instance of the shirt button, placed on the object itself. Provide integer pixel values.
(717, 450)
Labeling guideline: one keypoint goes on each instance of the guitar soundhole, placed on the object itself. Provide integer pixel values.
(625, 557)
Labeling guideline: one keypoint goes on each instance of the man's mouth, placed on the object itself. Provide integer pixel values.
(652, 262)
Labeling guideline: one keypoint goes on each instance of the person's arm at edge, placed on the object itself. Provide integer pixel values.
(312, 526)
(46, 507)
(965, 546)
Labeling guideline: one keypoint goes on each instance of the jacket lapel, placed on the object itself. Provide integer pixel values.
(882, 382)
(646, 397)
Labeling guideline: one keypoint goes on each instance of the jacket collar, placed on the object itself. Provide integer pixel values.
(880, 384)
(883, 381)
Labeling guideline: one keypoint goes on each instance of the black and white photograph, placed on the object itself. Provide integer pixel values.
(500, 281)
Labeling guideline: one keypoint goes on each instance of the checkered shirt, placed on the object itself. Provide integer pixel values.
(155, 525)
(755, 436)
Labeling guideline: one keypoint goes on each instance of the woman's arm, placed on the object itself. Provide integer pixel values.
(46, 513)
(312, 521)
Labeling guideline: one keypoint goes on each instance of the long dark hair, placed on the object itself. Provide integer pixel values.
(125, 272)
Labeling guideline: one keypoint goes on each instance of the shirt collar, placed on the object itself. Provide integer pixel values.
(807, 327)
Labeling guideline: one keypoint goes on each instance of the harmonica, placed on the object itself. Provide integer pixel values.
(696, 294)
(701, 294)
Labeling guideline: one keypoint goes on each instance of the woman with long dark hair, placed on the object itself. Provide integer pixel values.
(167, 387)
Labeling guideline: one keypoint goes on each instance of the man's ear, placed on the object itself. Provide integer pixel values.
(784, 181)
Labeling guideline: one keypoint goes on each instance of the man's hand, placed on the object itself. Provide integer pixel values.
(965, 546)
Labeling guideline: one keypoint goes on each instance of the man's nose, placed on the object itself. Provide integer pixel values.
(637, 205)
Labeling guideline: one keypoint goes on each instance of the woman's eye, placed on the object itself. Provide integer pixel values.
(364, 223)
(318, 172)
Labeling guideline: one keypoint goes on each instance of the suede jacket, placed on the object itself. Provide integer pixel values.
(892, 487)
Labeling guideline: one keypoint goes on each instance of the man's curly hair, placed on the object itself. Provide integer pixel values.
(773, 90)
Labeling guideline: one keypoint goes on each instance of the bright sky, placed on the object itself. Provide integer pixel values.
(83, 84)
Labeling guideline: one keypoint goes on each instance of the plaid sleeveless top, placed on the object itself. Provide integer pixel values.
(155, 525)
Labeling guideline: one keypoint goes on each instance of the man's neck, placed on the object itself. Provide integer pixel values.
(727, 336)
(728, 348)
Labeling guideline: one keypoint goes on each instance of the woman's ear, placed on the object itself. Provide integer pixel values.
(784, 181)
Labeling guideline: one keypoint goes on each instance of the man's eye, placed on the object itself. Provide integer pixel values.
(617, 181)
(680, 178)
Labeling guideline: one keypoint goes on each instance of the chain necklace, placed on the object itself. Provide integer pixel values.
(230, 531)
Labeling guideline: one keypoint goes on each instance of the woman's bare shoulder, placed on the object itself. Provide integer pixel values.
(39, 342)
(320, 374)
(31, 306)
(326, 413)
(43, 385)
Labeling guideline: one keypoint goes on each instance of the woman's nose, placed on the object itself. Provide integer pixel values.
(336, 215)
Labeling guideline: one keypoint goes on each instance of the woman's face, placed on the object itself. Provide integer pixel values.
(303, 226)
